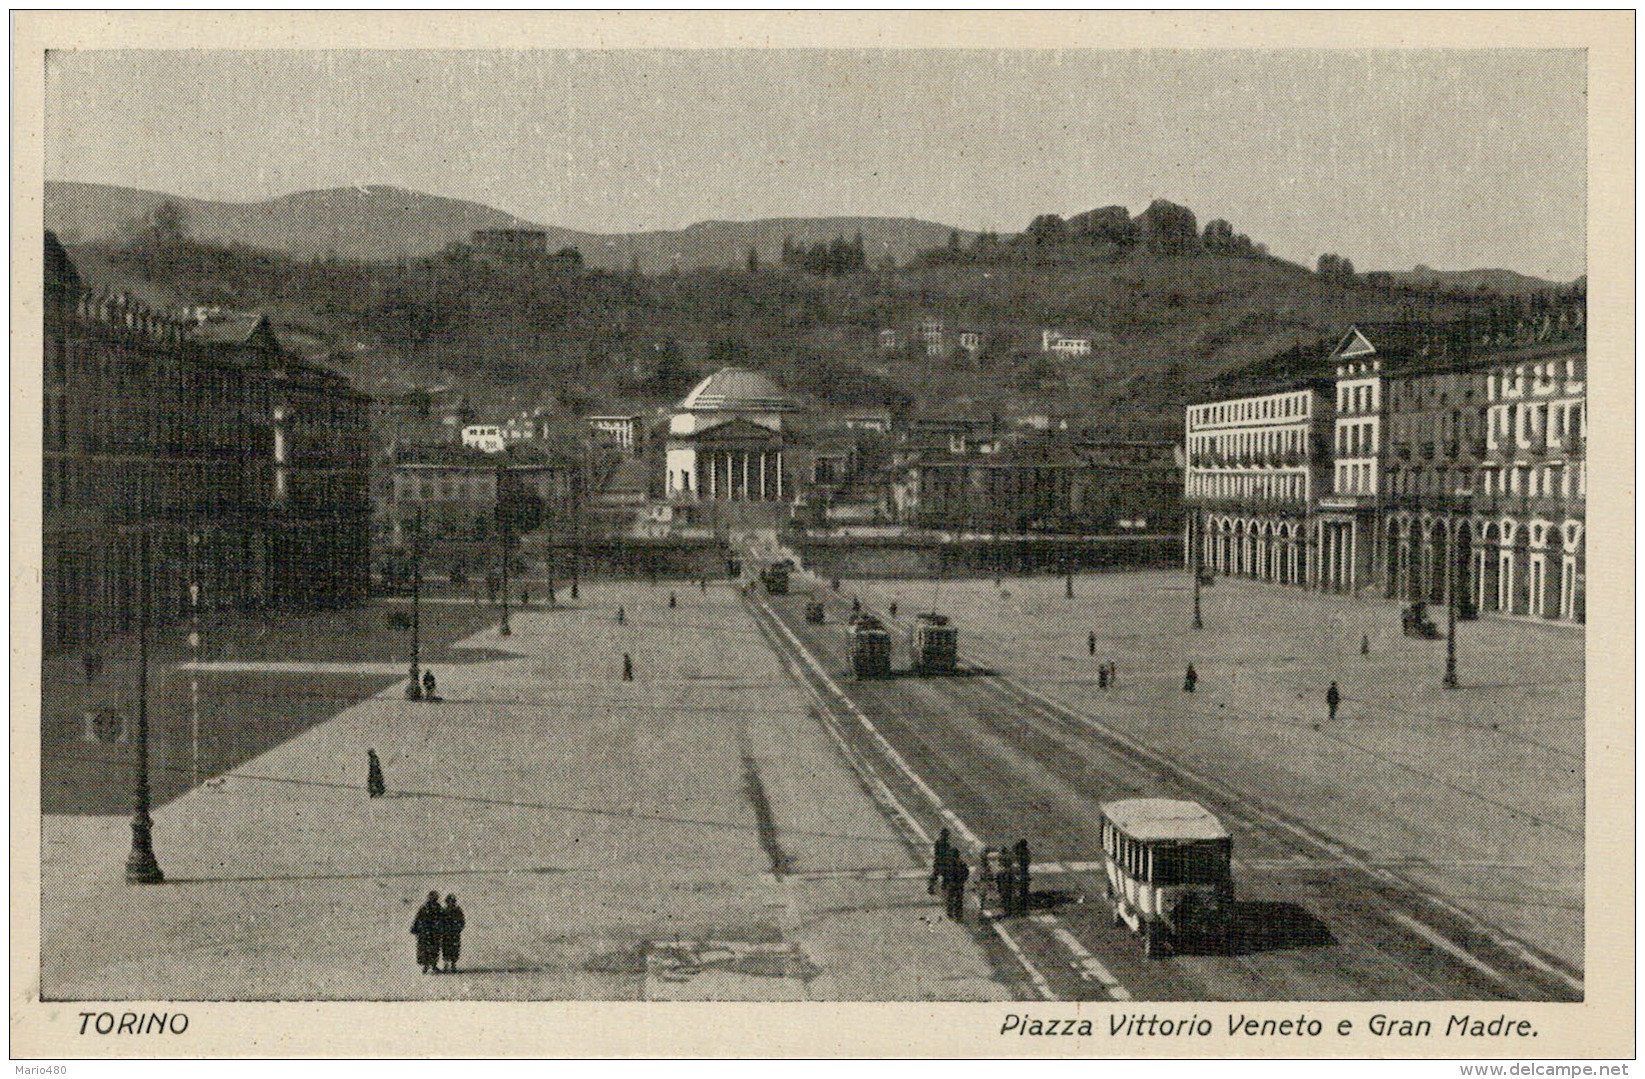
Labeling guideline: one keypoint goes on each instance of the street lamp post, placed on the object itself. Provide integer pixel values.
(1451, 582)
(414, 691)
(141, 865)
(1196, 542)
(502, 535)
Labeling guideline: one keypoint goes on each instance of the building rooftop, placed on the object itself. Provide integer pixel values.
(740, 390)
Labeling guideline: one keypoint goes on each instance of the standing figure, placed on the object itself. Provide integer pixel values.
(1364, 644)
(942, 853)
(1091, 643)
(1189, 678)
(702, 584)
(628, 667)
(953, 888)
(856, 605)
(1004, 884)
(671, 601)
(893, 608)
(525, 597)
(429, 686)
(374, 775)
(1022, 880)
(836, 584)
(451, 933)
(619, 616)
(426, 927)
(1332, 699)
(1113, 674)
(93, 664)
(1102, 676)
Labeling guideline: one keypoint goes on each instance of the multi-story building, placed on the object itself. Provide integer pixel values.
(190, 451)
(1045, 484)
(625, 433)
(1055, 341)
(1456, 465)
(1486, 480)
(1255, 467)
(453, 490)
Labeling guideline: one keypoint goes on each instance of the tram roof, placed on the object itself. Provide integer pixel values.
(1164, 818)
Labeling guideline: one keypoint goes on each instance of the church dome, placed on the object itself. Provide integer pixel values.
(735, 389)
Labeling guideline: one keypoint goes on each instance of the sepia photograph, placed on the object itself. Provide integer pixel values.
(972, 521)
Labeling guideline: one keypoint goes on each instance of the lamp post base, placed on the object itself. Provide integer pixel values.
(141, 865)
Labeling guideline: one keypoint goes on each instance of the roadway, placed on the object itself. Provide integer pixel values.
(993, 761)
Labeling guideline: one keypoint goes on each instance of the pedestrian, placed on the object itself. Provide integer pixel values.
(451, 933)
(702, 585)
(1021, 877)
(619, 616)
(93, 664)
(628, 667)
(856, 605)
(1102, 676)
(429, 685)
(525, 597)
(1189, 678)
(953, 889)
(426, 927)
(1332, 699)
(551, 599)
(1364, 644)
(836, 584)
(374, 775)
(671, 601)
(942, 853)
(1004, 885)
(1091, 643)
(1113, 674)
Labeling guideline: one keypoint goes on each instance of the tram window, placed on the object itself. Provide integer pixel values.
(1192, 863)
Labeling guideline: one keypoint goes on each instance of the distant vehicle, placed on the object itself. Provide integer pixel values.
(934, 643)
(870, 648)
(814, 613)
(1169, 869)
(775, 579)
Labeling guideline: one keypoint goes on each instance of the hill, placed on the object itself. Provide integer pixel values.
(1502, 282)
(385, 224)
(1166, 314)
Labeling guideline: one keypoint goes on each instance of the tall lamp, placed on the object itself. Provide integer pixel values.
(141, 865)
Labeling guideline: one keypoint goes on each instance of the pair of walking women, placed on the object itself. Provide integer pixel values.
(439, 932)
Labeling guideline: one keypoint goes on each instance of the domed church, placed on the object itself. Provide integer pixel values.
(728, 440)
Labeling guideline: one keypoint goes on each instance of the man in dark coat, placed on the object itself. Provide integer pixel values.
(426, 926)
(1091, 643)
(942, 853)
(628, 667)
(429, 686)
(1022, 880)
(374, 775)
(1005, 887)
(451, 933)
(953, 887)
(1332, 699)
(1190, 677)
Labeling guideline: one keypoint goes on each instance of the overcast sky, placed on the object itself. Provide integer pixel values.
(1456, 159)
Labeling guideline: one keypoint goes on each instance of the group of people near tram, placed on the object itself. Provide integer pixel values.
(1003, 878)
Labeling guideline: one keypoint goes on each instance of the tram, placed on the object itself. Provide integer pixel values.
(934, 644)
(870, 648)
(1169, 870)
(775, 579)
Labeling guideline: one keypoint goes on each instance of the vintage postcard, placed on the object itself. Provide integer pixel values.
(823, 534)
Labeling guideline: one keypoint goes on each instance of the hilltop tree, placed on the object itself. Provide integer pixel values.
(1169, 229)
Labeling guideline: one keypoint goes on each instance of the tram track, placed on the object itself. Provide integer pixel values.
(1064, 758)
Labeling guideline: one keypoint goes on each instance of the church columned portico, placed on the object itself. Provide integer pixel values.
(728, 441)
